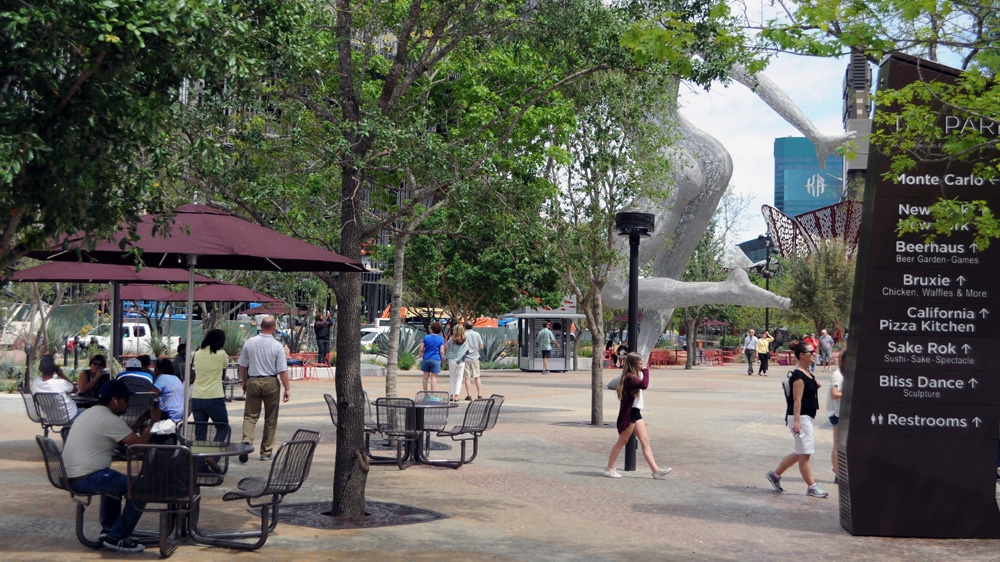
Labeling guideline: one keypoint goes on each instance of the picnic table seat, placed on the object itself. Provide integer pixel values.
(163, 476)
(289, 470)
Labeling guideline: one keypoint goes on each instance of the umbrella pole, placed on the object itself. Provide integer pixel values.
(192, 262)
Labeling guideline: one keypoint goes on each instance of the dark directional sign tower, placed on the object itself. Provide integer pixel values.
(921, 407)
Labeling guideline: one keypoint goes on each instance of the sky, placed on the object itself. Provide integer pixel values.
(747, 127)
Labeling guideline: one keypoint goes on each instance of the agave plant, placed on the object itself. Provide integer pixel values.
(236, 336)
(409, 340)
(57, 332)
(494, 345)
(159, 346)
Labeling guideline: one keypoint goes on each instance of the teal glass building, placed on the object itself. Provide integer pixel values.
(800, 185)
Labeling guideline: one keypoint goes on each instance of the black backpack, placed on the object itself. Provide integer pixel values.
(786, 388)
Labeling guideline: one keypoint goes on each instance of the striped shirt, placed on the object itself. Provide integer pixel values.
(263, 356)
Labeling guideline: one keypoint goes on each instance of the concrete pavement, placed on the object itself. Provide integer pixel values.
(536, 491)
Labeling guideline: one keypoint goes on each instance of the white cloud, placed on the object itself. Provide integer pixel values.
(747, 126)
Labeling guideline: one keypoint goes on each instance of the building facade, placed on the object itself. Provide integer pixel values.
(800, 184)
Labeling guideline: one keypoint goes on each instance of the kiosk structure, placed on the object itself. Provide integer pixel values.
(529, 357)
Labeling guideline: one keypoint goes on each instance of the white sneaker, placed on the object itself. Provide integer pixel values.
(612, 473)
(663, 472)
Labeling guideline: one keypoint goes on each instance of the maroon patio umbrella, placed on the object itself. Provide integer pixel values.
(219, 239)
(276, 309)
(136, 293)
(75, 272)
(223, 292)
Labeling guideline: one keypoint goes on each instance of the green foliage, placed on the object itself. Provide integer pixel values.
(947, 215)
(406, 360)
(821, 286)
(86, 101)
(494, 346)
(678, 30)
(236, 336)
(409, 342)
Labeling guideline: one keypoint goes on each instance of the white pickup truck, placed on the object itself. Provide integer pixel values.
(135, 338)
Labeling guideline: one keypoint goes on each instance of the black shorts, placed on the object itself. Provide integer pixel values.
(635, 415)
(546, 352)
(834, 420)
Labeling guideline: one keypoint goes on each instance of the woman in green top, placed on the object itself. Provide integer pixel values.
(208, 401)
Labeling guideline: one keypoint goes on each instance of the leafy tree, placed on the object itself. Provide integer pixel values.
(820, 286)
(86, 95)
(610, 158)
(478, 257)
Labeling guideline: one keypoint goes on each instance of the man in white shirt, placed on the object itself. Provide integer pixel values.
(750, 350)
(52, 379)
(472, 371)
(262, 363)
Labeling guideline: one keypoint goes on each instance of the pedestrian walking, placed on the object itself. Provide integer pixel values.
(545, 340)
(800, 411)
(634, 379)
(455, 352)
(763, 352)
(750, 349)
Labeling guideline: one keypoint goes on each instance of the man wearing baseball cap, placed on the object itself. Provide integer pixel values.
(87, 456)
(136, 377)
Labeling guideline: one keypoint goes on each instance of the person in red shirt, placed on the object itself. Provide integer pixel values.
(633, 380)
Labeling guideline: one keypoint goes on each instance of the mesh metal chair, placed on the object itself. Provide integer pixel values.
(372, 429)
(289, 470)
(490, 424)
(56, 471)
(231, 382)
(331, 403)
(477, 417)
(53, 410)
(210, 471)
(163, 477)
(137, 404)
(32, 409)
(397, 421)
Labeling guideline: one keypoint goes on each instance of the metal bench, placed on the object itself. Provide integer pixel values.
(289, 470)
(163, 477)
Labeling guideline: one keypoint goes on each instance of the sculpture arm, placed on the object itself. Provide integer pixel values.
(779, 101)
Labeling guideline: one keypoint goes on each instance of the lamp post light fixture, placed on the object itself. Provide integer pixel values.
(768, 274)
(635, 225)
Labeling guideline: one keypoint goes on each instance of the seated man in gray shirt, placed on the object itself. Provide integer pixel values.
(87, 456)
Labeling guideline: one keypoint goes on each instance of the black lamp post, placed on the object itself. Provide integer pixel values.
(768, 274)
(635, 226)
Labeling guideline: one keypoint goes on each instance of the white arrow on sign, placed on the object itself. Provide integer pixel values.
(961, 280)
(984, 312)
(973, 383)
(977, 421)
(974, 247)
(966, 348)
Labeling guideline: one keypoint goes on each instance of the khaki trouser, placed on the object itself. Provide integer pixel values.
(266, 391)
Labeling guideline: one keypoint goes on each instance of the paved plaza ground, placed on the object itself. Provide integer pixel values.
(536, 491)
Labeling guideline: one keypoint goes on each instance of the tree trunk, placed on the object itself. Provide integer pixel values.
(692, 339)
(351, 464)
(593, 309)
(392, 362)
